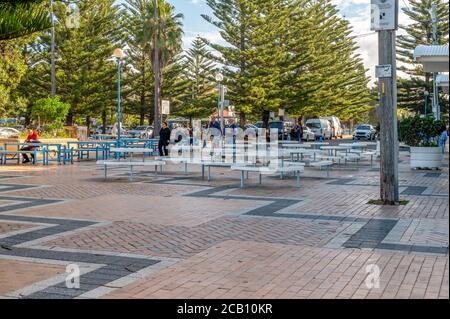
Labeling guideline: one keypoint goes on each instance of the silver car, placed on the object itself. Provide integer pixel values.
(144, 132)
(308, 135)
(9, 132)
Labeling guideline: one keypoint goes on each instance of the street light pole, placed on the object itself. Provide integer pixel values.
(434, 18)
(52, 48)
(219, 79)
(156, 71)
(118, 54)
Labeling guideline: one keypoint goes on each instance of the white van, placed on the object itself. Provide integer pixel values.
(320, 127)
(336, 123)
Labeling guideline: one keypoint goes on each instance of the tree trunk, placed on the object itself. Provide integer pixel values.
(88, 125)
(69, 118)
(104, 122)
(142, 109)
(242, 120)
(265, 119)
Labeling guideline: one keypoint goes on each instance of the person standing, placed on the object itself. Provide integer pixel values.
(164, 140)
(300, 132)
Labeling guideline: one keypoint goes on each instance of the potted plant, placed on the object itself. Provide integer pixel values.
(422, 135)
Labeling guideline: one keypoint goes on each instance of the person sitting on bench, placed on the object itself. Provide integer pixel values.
(31, 138)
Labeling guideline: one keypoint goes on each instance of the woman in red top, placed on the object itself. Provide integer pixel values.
(31, 138)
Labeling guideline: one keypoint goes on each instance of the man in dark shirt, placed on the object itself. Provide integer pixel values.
(164, 140)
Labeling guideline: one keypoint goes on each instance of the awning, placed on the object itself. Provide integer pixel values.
(433, 57)
(442, 81)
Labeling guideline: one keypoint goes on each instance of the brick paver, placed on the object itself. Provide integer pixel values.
(190, 238)
(15, 274)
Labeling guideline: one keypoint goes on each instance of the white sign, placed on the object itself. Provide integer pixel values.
(383, 71)
(280, 112)
(384, 15)
(165, 107)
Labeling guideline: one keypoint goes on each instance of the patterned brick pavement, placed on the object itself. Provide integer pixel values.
(178, 236)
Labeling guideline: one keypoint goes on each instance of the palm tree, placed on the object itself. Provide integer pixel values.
(167, 39)
(159, 28)
(22, 17)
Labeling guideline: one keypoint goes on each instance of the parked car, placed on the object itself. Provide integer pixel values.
(365, 131)
(143, 132)
(9, 132)
(308, 135)
(336, 123)
(278, 125)
(320, 127)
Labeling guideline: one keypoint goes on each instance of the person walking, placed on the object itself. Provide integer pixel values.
(164, 140)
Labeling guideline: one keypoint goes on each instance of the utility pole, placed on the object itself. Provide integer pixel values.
(156, 70)
(434, 19)
(385, 13)
(52, 48)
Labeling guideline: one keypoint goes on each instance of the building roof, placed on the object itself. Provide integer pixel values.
(433, 57)
(431, 50)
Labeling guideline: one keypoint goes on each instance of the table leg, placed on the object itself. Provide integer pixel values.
(203, 171)
(156, 170)
(106, 171)
(242, 179)
(260, 179)
(298, 178)
(131, 173)
(209, 173)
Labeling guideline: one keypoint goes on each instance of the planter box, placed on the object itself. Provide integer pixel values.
(426, 157)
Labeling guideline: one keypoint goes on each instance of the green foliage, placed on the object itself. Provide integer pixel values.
(22, 17)
(410, 89)
(295, 54)
(140, 25)
(198, 78)
(51, 112)
(12, 69)
(85, 79)
(420, 131)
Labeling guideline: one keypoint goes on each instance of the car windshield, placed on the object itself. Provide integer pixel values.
(313, 125)
(141, 128)
(363, 127)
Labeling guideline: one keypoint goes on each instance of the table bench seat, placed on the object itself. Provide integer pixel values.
(264, 170)
(322, 164)
(130, 164)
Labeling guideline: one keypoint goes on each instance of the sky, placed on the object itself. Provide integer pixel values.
(356, 11)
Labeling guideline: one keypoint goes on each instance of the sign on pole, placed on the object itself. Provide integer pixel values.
(165, 107)
(384, 15)
(383, 71)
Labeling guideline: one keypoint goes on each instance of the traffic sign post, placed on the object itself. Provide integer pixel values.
(384, 20)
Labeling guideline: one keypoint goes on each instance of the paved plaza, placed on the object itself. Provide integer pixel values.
(176, 235)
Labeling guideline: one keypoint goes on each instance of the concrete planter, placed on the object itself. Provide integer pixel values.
(426, 157)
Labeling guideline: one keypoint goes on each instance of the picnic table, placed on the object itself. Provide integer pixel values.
(132, 150)
(317, 145)
(86, 147)
(62, 152)
(334, 149)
